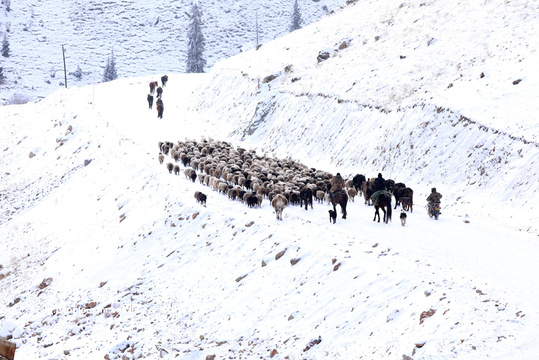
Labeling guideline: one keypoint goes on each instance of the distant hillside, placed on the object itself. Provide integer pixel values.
(147, 37)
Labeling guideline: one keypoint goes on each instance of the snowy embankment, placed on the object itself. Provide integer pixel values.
(119, 259)
(406, 108)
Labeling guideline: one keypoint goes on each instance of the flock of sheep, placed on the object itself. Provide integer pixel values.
(250, 178)
(245, 176)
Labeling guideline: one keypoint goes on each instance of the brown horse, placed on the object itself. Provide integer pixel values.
(153, 86)
(340, 198)
(383, 201)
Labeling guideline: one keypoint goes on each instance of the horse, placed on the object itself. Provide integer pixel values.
(160, 109)
(408, 199)
(164, 80)
(153, 86)
(383, 200)
(404, 196)
(340, 198)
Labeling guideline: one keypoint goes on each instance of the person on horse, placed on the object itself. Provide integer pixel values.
(337, 184)
(433, 198)
(379, 188)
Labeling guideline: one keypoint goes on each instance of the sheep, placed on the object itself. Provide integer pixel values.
(352, 193)
(320, 196)
(200, 197)
(259, 199)
(176, 170)
(279, 202)
(170, 167)
(251, 200)
(222, 187)
(201, 178)
(161, 158)
(231, 194)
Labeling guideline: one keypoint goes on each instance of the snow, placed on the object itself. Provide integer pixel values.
(107, 255)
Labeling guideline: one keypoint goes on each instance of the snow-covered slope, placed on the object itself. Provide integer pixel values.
(107, 255)
(147, 37)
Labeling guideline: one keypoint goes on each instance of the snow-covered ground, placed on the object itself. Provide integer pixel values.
(107, 255)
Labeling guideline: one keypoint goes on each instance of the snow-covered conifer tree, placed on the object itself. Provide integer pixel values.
(195, 46)
(110, 72)
(5, 46)
(296, 17)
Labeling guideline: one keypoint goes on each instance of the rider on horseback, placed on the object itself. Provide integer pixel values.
(433, 198)
(379, 188)
(337, 184)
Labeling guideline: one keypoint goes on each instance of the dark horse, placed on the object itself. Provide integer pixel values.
(383, 201)
(340, 197)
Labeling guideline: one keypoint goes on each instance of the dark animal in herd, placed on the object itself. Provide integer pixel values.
(341, 199)
(164, 80)
(252, 201)
(150, 101)
(159, 92)
(404, 196)
(306, 196)
(160, 108)
(200, 197)
(332, 216)
(367, 188)
(153, 86)
(383, 201)
(358, 181)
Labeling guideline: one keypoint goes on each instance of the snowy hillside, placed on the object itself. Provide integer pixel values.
(147, 37)
(105, 254)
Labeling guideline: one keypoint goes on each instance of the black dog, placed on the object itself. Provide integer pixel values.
(332, 216)
(403, 218)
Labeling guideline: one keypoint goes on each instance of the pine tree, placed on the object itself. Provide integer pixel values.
(5, 46)
(110, 72)
(195, 46)
(296, 17)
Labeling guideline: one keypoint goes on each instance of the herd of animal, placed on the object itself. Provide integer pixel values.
(244, 176)
(154, 87)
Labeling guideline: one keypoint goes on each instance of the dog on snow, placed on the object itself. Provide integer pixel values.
(403, 217)
(332, 216)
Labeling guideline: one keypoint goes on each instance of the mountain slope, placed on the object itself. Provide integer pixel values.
(105, 254)
(424, 121)
(147, 38)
